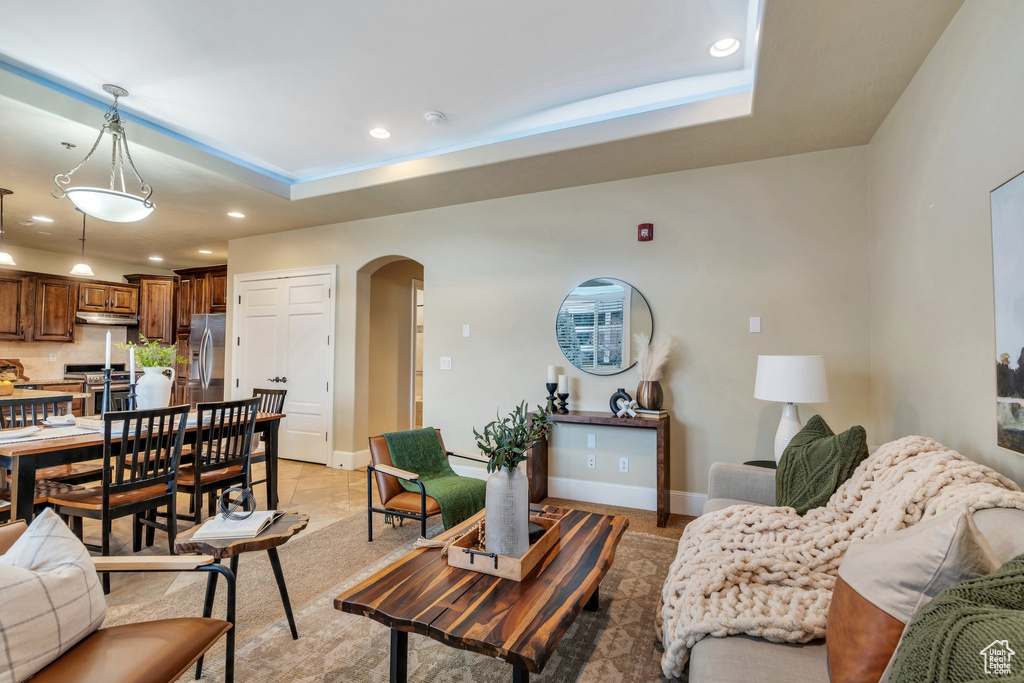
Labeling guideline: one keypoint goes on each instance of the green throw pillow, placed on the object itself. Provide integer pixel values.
(973, 631)
(816, 462)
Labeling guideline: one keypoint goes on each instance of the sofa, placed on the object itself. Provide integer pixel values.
(746, 659)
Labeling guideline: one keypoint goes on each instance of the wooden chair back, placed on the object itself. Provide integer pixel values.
(271, 400)
(388, 486)
(142, 448)
(28, 412)
(226, 434)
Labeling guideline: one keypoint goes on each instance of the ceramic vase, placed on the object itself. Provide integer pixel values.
(507, 515)
(649, 395)
(153, 389)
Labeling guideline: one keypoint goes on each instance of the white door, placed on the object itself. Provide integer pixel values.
(283, 339)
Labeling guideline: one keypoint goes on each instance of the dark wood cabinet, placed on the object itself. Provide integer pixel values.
(157, 307)
(202, 290)
(184, 304)
(15, 304)
(55, 303)
(100, 297)
(92, 297)
(218, 294)
(123, 299)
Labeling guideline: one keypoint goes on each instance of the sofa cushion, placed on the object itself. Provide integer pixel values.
(883, 581)
(715, 504)
(50, 596)
(816, 462)
(744, 659)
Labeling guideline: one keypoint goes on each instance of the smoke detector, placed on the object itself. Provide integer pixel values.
(434, 118)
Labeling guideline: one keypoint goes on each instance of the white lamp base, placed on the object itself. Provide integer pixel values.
(788, 427)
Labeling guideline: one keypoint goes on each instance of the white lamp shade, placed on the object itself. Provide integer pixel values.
(82, 269)
(791, 379)
(109, 205)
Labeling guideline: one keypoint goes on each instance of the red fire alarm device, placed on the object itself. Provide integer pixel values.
(645, 232)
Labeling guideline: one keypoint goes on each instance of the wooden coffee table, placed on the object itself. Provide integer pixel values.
(519, 622)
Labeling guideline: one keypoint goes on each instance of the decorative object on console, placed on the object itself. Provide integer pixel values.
(1007, 202)
(563, 402)
(551, 386)
(5, 258)
(650, 361)
(505, 442)
(596, 323)
(118, 206)
(790, 380)
(153, 390)
(563, 394)
(622, 404)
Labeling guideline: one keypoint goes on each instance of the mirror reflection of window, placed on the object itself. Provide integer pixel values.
(595, 326)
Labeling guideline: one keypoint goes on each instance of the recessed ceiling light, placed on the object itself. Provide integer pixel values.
(236, 214)
(380, 133)
(724, 47)
(42, 219)
(156, 258)
(205, 251)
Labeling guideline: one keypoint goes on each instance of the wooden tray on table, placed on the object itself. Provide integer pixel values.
(462, 555)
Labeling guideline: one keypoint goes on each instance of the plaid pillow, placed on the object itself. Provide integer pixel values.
(50, 597)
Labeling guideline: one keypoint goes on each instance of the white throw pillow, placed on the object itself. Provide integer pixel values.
(50, 597)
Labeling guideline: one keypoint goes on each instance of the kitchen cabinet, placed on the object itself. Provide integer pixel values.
(184, 304)
(179, 391)
(156, 307)
(218, 285)
(201, 290)
(78, 404)
(55, 302)
(15, 305)
(99, 297)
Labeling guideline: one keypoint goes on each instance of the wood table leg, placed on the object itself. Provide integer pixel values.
(399, 656)
(520, 675)
(664, 471)
(211, 593)
(23, 487)
(592, 603)
(275, 564)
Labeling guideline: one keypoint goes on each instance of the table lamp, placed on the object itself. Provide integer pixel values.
(790, 380)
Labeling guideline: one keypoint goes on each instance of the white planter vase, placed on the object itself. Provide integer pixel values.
(153, 389)
(507, 515)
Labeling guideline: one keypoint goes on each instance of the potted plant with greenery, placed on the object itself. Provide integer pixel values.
(153, 389)
(505, 442)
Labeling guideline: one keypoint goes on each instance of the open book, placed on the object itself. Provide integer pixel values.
(250, 527)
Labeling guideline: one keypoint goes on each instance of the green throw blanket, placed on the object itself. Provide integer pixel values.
(420, 451)
(973, 631)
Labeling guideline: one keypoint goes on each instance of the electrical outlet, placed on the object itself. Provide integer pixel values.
(53, 357)
(592, 461)
(591, 441)
(446, 362)
(623, 464)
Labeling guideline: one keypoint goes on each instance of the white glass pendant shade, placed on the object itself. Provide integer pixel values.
(6, 259)
(82, 269)
(110, 205)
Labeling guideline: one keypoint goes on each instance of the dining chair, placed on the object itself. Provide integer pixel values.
(141, 453)
(29, 412)
(271, 401)
(223, 444)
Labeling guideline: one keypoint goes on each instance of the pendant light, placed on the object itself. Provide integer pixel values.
(118, 206)
(5, 258)
(82, 268)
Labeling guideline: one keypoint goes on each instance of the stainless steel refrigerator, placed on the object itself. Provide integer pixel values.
(206, 367)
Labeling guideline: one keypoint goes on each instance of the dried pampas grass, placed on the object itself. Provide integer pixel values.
(651, 358)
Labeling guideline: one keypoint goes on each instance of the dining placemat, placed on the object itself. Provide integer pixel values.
(51, 433)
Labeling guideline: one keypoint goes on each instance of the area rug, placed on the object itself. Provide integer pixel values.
(614, 644)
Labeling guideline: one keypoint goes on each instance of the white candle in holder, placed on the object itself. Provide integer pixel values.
(552, 378)
(131, 365)
(107, 364)
(563, 384)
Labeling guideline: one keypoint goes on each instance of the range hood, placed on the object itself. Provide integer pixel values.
(90, 318)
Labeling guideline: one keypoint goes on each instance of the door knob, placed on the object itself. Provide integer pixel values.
(277, 379)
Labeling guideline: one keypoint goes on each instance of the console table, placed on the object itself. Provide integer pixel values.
(661, 427)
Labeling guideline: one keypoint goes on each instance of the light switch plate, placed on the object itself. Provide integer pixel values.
(592, 461)
(755, 325)
(446, 362)
(591, 441)
(465, 330)
(623, 464)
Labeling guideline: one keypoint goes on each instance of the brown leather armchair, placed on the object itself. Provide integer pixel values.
(394, 499)
(128, 653)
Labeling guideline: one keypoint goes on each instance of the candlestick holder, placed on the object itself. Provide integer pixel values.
(131, 397)
(563, 399)
(106, 391)
(551, 386)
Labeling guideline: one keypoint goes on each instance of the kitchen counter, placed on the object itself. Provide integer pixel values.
(22, 394)
(33, 382)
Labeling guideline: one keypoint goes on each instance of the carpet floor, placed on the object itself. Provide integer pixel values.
(614, 644)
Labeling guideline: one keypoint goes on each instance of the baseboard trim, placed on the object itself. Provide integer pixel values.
(350, 460)
(622, 495)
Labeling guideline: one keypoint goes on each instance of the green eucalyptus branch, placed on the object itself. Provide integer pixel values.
(152, 354)
(505, 441)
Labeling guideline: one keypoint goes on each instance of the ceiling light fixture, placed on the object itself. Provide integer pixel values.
(380, 133)
(42, 219)
(82, 268)
(236, 214)
(205, 251)
(118, 206)
(156, 258)
(724, 47)
(5, 258)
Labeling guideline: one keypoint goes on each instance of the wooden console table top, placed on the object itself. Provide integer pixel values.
(519, 622)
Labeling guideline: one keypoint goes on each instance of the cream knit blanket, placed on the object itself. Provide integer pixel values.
(766, 571)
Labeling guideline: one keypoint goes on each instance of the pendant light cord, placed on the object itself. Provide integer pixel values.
(83, 235)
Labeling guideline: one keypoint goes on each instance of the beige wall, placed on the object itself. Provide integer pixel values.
(954, 136)
(390, 347)
(784, 239)
(60, 264)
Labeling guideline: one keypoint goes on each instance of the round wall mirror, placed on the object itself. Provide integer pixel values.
(596, 324)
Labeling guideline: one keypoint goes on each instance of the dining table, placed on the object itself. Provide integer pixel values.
(23, 457)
